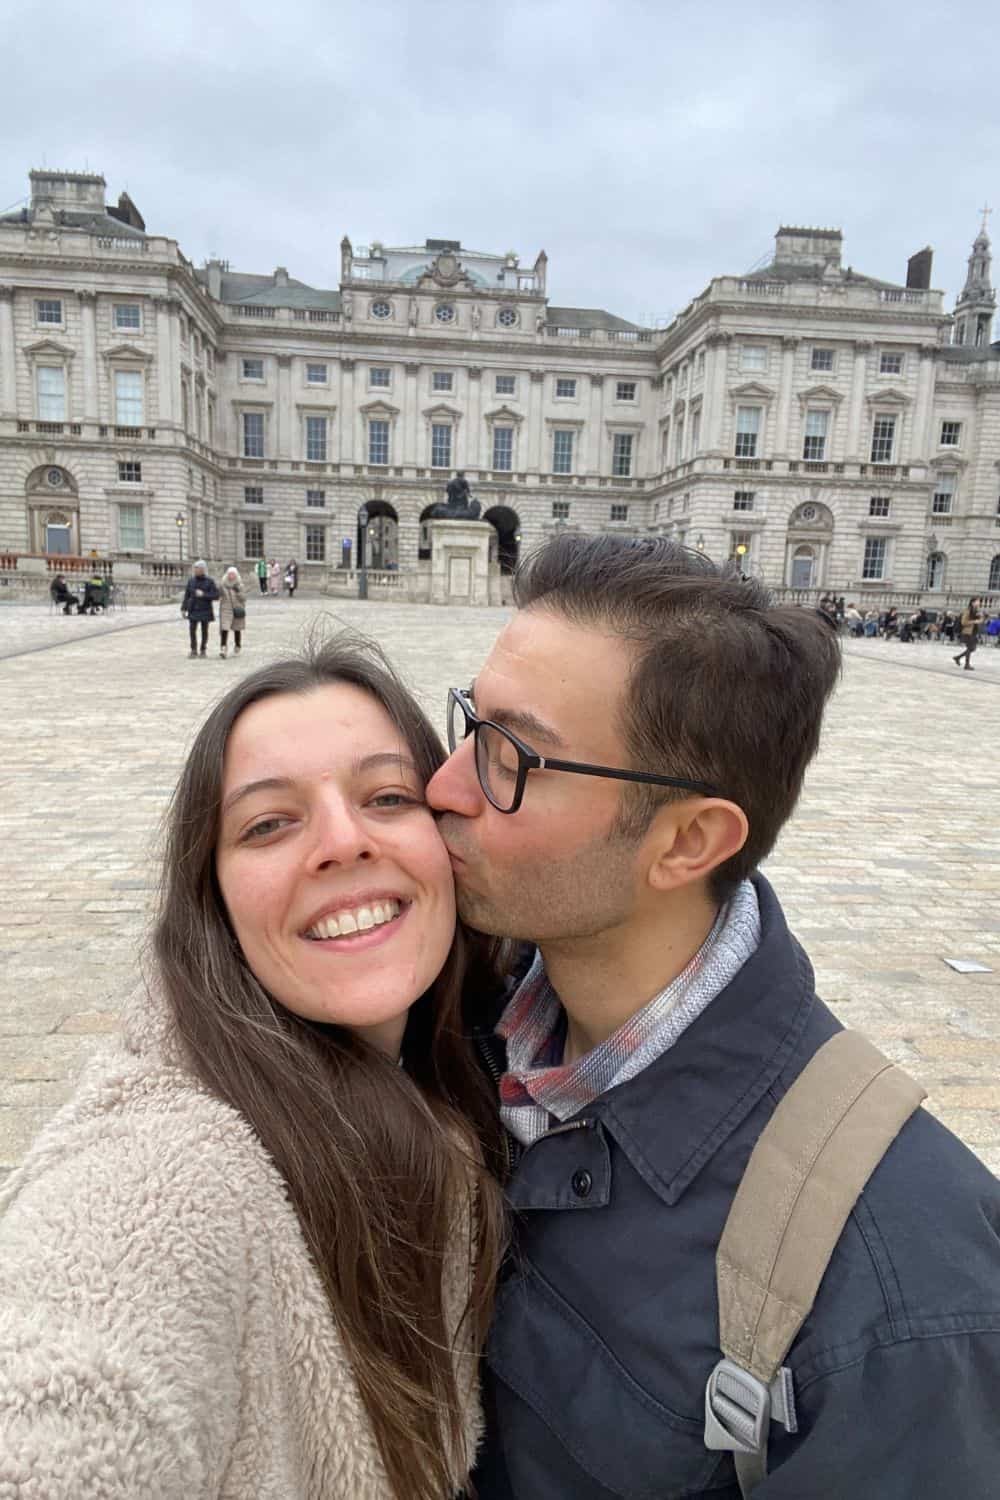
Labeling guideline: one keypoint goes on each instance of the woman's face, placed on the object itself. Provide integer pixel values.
(337, 885)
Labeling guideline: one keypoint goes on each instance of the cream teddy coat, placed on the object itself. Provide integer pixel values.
(163, 1334)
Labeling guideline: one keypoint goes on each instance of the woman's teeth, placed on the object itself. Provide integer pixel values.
(359, 919)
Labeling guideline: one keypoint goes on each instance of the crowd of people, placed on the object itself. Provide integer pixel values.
(270, 576)
(957, 627)
(202, 593)
(95, 599)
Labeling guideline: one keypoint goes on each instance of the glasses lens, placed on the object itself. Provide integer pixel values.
(497, 764)
(458, 723)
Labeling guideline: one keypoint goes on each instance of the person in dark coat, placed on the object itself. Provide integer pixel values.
(199, 594)
(59, 590)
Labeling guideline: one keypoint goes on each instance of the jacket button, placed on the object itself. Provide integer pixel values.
(582, 1183)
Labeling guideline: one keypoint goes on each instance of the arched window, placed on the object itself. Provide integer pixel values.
(994, 582)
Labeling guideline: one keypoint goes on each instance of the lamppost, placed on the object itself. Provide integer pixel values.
(741, 553)
(700, 543)
(363, 552)
(179, 521)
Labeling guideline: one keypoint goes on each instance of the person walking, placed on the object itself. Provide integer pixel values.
(199, 594)
(232, 611)
(291, 577)
(260, 568)
(968, 633)
(274, 576)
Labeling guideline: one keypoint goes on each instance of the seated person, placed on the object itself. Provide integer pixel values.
(60, 593)
(95, 595)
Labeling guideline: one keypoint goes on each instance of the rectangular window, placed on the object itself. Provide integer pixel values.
(315, 544)
(565, 388)
(679, 441)
(48, 310)
(503, 449)
(878, 505)
(753, 357)
(378, 442)
(621, 455)
(822, 359)
(747, 431)
(814, 444)
(131, 528)
(252, 369)
(665, 444)
(699, 368)
(442, 380)
(253, 494)
(316, 499)
(873, 566)
(695, 438)
(253, 434)
(51, 380)
(128, 398)
(951, 434)
(129, 472)
(316, 375)
(441, 445)
(379, 378)
(890, 364)
(562, 452)
(619, 512)
(625, 390)
(743, 499)
(128, 315)
(316, 440)
(505, 385)
(253, 539)
(740, 543)
(944, 495)
(560, 510)
(883, 439)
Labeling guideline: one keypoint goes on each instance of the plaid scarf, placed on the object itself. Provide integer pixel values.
(538, 1085)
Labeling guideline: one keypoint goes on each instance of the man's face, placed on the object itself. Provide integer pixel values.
(555, 869)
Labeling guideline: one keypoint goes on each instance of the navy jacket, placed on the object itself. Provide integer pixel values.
(607, 1328)
(200, 608)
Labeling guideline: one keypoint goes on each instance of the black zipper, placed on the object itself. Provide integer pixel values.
(512, 1149)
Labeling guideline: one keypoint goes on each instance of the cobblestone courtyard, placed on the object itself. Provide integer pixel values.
(891, 864)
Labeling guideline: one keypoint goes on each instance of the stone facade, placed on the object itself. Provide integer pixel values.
(827, 423)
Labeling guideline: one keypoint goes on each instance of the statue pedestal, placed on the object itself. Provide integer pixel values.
(460, 562)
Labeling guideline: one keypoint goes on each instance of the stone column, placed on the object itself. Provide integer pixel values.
(532, 459)
(472, 445)
(412, 372)
(715, 389)
(862, 348)
(174, 310)
(595, 433)
(88, 329)
(788, 348)
(348, 414)
(8, 370)
(286, 442)
(921, 439)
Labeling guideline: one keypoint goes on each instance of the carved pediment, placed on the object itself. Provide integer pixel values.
(891, 397)
(445, 270)
(823, 395)
(127, 354)
(442, 413)
(49, 349)
(753, 391)
(504, 415)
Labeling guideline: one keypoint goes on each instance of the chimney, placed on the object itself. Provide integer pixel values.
(281, 276)
(127, 212)
(918, 269)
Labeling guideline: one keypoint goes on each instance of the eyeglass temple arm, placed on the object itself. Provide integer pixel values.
(649, 778)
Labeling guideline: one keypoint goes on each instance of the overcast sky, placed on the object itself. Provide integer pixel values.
(647, 145)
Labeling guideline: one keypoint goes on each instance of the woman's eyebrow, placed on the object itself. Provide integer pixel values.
(380, 758)
(265, 784)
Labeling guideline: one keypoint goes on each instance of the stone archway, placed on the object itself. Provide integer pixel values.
(507, 524)
(378, 538)
(53, 511)
(807, 545)
(424, 537)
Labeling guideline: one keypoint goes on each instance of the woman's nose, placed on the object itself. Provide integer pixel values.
(341, 834)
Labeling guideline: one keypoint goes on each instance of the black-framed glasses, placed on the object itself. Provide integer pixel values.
(503, 761)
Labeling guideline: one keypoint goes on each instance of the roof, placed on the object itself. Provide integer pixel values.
(797, 271)
(588, 318)
(968, 354)
(90, 223)
(261, 291)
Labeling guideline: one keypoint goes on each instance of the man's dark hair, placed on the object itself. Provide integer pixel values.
(725, 687)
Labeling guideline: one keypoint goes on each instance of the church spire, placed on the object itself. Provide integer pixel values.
(977, 304)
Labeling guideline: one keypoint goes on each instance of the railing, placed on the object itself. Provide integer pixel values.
(900, 294)
(244, 310)
(119, 242)
(164, 569)
(630, 336)
(763, 288)
(314, 315)
(555, 332)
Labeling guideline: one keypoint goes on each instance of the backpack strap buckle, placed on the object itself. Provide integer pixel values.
(739, 1410)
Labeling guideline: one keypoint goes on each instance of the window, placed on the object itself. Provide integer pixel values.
(625, 390)
(131, 528)
(316, 440)
(503, 449)
(883, 439)
(679, 441)
(507, 317)
(315, 544)
(505, 385)
(747, 431)
(753, 357)
(873, 566)
(699, 366)
(253, 434)
(994, 579)
(944, 495)
(444, 312)
(879, 505)
(565, 389)
(316, 499)
(562, 452)
(814, 444)
(252, 369)
(51, 382)
(951, 434)
(890, 364)
(621, 455)
(822, 359)
(317, 374)
(128, 315)
(253, 539)
(379, 378)
(560, 510)
(380, 309)
(48, 310)
(744, 499)
(682, 379)
(129, 472)
(441, 445)
(695, 438)
(665, 444)
(378, 442)
(619, 512)
(442, 380)
(128, 398)
(253, 494)
(737, 540)
(935, 570)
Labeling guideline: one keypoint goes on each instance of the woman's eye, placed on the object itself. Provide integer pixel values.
(396, 799)
(262, 829)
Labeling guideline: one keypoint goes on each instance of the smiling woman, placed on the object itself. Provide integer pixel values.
(244, 1250)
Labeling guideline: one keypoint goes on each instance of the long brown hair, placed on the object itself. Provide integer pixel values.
(378, 1160)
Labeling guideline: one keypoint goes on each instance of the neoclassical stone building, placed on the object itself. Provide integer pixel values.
(828, 429)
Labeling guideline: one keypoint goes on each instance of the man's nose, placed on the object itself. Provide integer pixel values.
(455, 786)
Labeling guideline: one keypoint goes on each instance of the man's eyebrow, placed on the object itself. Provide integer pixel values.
(521, 721)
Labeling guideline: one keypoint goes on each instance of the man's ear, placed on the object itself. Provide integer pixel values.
(688, 840)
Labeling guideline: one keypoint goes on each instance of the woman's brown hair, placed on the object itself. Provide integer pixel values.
(379, 1161)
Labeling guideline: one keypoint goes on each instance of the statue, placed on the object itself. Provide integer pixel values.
(412, 314)
(459, 506)
(477, 317)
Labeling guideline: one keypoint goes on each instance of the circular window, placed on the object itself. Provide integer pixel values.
(507, 317)
(381, 309)
(444, 312)
(808, 513)
(54, 478)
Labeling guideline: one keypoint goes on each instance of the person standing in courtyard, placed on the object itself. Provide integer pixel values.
(199, 595)
(968, 633)
(232, 611)
(626, 758)
(291, 577)
(260, 568)
(274, 577)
